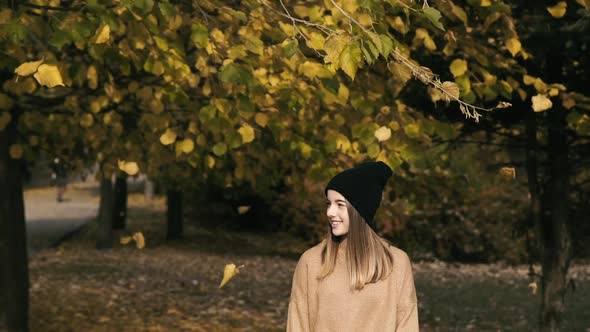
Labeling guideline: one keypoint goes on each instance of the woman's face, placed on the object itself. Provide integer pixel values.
(337, 213)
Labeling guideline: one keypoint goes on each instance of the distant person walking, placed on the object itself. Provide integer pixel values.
(354, 280)
(60, 177)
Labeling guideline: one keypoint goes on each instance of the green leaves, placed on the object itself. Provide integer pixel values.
(290, 46)
(220, 149)
(350, 59)
(433, 16)
(458, 67)
(199, 35)
(234, 73)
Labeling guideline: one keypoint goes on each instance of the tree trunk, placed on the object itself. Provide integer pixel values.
(14, 273)
(105, 215)
(174, 214)
(556, 254)
(120, 203)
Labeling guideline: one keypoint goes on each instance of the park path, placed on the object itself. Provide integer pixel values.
(49, 221)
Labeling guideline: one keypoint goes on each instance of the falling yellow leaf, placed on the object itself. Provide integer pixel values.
(533, 287)
(558, 10)
(243, 209)
(168, 137)
(16, 151)
(229, 272)
(247, 133)
(49, 76)
(584, 3)
(28, 68)
(508, 172)
(513, 45)
(383, 134)
(485, 3)
(103, 34)
(139, 240)
(125, 239)
(541, 103)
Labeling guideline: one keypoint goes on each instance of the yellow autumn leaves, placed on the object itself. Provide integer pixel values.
(229, 272)
(46, 75)
(137, 237)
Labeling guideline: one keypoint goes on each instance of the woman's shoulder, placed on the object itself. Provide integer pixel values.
(313, 254)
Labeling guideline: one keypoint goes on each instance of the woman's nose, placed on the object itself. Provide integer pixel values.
(330, 211)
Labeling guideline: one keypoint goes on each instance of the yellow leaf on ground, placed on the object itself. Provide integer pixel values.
(383, 134)
(247, 133)
(558, 10)
(168, 137)
(28, 68)
(513, 45)
(125, 239)
(103, 34)
(139, 240)
(229, 272)
(16, 151)
(541, 103)
(49, 76)
(485, 3)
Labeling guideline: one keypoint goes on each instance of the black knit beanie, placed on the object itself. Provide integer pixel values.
(362, 186)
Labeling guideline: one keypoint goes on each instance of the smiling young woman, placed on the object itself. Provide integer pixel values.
(354, 280)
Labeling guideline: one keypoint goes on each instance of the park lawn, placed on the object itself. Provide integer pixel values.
(174, 286)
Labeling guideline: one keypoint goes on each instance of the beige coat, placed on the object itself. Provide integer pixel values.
(330, 306)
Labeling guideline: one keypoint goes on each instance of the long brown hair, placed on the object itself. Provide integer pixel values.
(367, 255)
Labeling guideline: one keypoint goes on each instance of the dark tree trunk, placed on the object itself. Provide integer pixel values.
(120, 203)
(174, 214)
(556, 254)
(105, 215)
(14, 273)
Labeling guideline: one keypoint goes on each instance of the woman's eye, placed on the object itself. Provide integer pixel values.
(341, 205)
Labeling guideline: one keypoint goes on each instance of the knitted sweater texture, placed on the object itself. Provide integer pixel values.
(330, 306)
